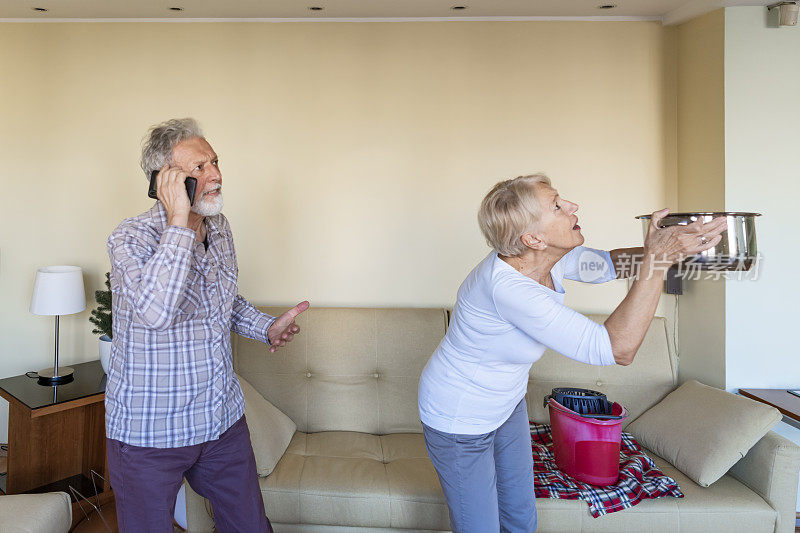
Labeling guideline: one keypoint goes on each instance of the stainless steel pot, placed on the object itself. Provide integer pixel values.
(736, 251)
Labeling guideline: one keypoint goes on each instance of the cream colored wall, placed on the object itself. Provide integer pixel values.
(762, 67)
(761, 140)
(701, 187)
(701, 108)
(354, 155)
(737, 152)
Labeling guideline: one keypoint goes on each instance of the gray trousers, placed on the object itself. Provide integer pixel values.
(487, 479)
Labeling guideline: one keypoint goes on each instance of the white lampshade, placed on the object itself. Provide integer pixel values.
(58, 290)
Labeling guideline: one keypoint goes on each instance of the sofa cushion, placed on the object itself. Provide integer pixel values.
(703, 431)
(356, 479)
(347, 489)
(319, 482)
(36, 513)
(270, 430)
(727, 505)
(638, 386)
(350, 369)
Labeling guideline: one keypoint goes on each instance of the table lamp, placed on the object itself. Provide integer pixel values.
(58, 290)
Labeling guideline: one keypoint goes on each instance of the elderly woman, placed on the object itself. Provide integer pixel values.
(508, 311)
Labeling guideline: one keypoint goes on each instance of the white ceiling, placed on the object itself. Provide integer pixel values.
(669, 11)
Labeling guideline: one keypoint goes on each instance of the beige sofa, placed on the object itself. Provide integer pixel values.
(358, 463)
(35, 513)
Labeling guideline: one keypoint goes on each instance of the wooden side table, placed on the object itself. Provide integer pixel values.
(56, 435)
(781, 399)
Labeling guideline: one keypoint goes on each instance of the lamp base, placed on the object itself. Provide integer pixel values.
(55, 376)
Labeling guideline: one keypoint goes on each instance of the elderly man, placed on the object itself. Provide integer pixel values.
(174, 408)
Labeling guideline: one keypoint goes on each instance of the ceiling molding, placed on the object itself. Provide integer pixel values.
(333, 19)
(668, 12)
(695, 8)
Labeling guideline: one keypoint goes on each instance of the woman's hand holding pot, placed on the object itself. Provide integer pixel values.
(663, 247)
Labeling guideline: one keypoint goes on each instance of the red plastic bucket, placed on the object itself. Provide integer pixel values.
(587, 448)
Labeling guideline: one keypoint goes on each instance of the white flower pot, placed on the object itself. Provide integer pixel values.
(105, 352)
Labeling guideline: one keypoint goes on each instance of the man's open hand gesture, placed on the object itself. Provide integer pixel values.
(284, 329)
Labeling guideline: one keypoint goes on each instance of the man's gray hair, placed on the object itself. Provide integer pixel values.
(160, 140)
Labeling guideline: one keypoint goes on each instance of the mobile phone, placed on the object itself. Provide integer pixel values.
(191, 186)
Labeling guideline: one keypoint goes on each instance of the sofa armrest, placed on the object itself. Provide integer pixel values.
(198, 509)
(771, 469)
(36, 513)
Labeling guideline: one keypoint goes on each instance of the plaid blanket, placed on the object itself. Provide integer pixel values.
(639, 477)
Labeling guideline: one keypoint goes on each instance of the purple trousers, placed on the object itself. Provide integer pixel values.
(146, 482)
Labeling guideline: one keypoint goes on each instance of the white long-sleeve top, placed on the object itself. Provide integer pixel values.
(502, 323)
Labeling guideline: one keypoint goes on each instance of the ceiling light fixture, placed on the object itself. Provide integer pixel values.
(176, 9)
(606, 6)
(459, 8)
(316, 8)
(39, 9)
(788, 12)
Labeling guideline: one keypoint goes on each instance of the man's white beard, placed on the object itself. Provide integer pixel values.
(208, 207)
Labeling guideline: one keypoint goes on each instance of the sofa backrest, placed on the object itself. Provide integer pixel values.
(349, 369)
(357, 369)
(638, 386)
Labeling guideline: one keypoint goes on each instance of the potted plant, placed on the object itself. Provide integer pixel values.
(101, 318)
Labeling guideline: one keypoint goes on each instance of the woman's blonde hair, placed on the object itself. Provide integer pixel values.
(510, 210)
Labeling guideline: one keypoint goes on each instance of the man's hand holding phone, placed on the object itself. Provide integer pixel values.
(171, 191)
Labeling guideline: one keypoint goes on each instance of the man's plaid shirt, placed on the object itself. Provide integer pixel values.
(171, 381)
